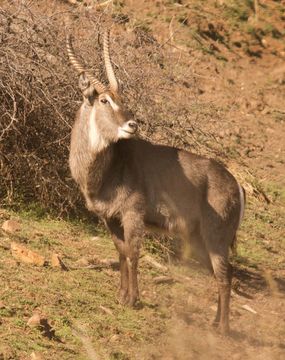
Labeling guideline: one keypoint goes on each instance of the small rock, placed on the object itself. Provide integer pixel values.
(11, 226)
(25, 255)
(2, 305)
(96, 238)
(35, 320)
(57, 262)
(36, 356)
(264, 42)
(221, 134)
(39, 321)
(114, 338)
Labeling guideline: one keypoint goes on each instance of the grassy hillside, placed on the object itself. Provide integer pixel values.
(207, 76)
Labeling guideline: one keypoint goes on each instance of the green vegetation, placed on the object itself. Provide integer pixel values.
(81, 294)
(64, 297)
(262, 242)
(184, 97)
(238, 10)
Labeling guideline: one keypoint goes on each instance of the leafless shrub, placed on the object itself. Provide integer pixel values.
(37, 104)
(39, 98)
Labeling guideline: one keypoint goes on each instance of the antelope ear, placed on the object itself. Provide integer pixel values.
(88, 91)
(83, 82)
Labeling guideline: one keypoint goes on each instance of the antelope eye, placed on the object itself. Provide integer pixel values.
(104, 101)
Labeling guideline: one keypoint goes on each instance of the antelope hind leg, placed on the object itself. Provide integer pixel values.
(124, 288)
(223, 274)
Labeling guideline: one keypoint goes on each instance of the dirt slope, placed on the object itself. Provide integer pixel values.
(80, 313)
(226, 61)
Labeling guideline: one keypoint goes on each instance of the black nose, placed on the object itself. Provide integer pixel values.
(133, 125)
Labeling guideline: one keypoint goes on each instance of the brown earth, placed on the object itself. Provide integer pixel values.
(235, 68)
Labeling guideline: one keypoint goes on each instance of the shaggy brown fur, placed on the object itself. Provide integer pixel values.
(134, 185)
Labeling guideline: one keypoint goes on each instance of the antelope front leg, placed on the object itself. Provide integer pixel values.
(117, 233)
(133, 293)
(133, 230)
(123, 294)
(127, 242)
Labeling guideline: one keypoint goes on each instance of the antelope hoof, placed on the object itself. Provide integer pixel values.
(128, 300)
(123, 297)
(132, 301)
(215, 323)
(224, 329)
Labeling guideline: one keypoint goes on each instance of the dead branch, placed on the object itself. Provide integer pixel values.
(39, 97)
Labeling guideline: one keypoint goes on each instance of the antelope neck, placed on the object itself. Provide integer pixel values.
(98, 170)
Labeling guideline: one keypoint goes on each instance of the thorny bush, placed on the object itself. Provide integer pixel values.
(39, 98)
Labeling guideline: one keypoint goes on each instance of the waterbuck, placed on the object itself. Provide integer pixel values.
(134, 185)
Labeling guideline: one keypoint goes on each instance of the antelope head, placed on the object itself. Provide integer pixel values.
(108, 120)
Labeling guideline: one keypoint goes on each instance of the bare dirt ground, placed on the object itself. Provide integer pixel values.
(237, 70)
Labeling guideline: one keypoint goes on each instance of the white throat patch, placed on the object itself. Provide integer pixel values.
(123, 134)
(96, 141)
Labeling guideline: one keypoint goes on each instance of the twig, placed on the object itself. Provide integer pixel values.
(155, 263)
(99, 265)
(107, 2)
(256, 9)
(171, 34)
(106, 310)
(163, 280)
(13, 118)
(248, 308)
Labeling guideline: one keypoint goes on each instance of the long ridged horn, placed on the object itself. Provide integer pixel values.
(108, 65)
(100, 88)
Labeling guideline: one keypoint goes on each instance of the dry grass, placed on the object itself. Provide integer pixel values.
(84, 320)
(40, 97)
(181, 95)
